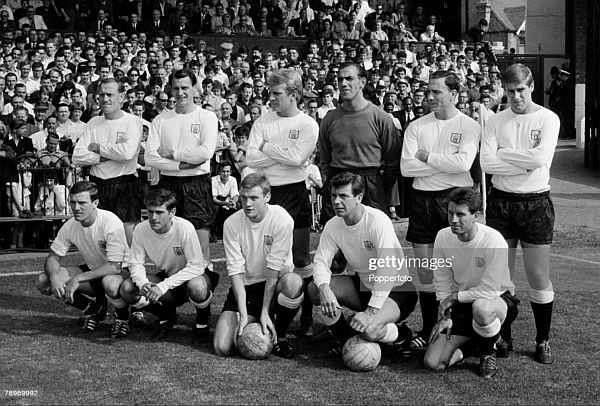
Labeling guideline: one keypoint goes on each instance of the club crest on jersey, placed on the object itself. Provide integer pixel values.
(195, 129)
(535, 135)
(479, 262)
(268, 239)
(455, 138)
(102, 244)
(369, 245)
(178, 251)
(294, 134)
(121, 137)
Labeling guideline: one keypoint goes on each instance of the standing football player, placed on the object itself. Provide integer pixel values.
(517, 149)
(280, 143)
(438, 152)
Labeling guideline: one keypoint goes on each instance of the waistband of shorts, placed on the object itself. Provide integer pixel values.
(433, 193)
(369, 171)
(113, 181)
(290, 187)
(519, 196)
(184, 179)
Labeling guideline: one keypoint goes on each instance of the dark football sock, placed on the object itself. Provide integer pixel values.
(542, 314)
(122, 313)
(429, 311)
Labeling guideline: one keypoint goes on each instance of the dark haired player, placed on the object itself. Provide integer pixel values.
(180, 144)
(100, 238)
(473, 286)
(517, 149)
(381, 294)
(172, 245)
(438, 152)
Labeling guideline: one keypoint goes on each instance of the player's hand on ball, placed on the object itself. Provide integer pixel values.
(439, 327)
(361, 321)
(329, 303)
(268, 327)
(241, 325)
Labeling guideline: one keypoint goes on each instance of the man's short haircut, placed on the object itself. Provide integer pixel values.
(517, 73)
(451, 80)
(158, 197)
(52, 135)
(253, 180)
(224, 164)
(467, 196)
(346, 178)
(184, 73)
(85, 186)
(111, 81)
(291, 79)
(360, 70)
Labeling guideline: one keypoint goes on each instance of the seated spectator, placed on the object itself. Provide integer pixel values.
(431, 35)
(225, 198)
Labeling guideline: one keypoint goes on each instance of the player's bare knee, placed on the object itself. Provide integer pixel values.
(483, 311)
(291, 285)
(128, 290)
(223, 345)
(111, 284)
(373, 333)
(197, 288)
(43, 284)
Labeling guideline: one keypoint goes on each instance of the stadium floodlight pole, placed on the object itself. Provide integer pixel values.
(482, 110)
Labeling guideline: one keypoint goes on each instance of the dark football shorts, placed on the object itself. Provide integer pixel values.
(462, 315)
(526, 216)
(194, 198)
(180, 292)
(254, 300)
(121, 195)
(405, 296)
(428, 215)
(294, 198)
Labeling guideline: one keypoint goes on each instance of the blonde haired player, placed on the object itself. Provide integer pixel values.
(280, 143)
(258, 248)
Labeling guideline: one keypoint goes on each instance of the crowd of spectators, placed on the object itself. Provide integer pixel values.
(55, 52)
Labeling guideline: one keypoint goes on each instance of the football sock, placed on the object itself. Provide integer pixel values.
(391, 333)
(341, 329)
(80, 301)
(203, 311)
(96, 285)
(307, 305)
(542, 302)
(487, 335)
(285, 311)
(429, 311)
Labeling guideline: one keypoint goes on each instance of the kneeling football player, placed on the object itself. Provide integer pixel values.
(99, 236)
(172, 243)
(380, 289)
(473, 286)
(258, 248)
